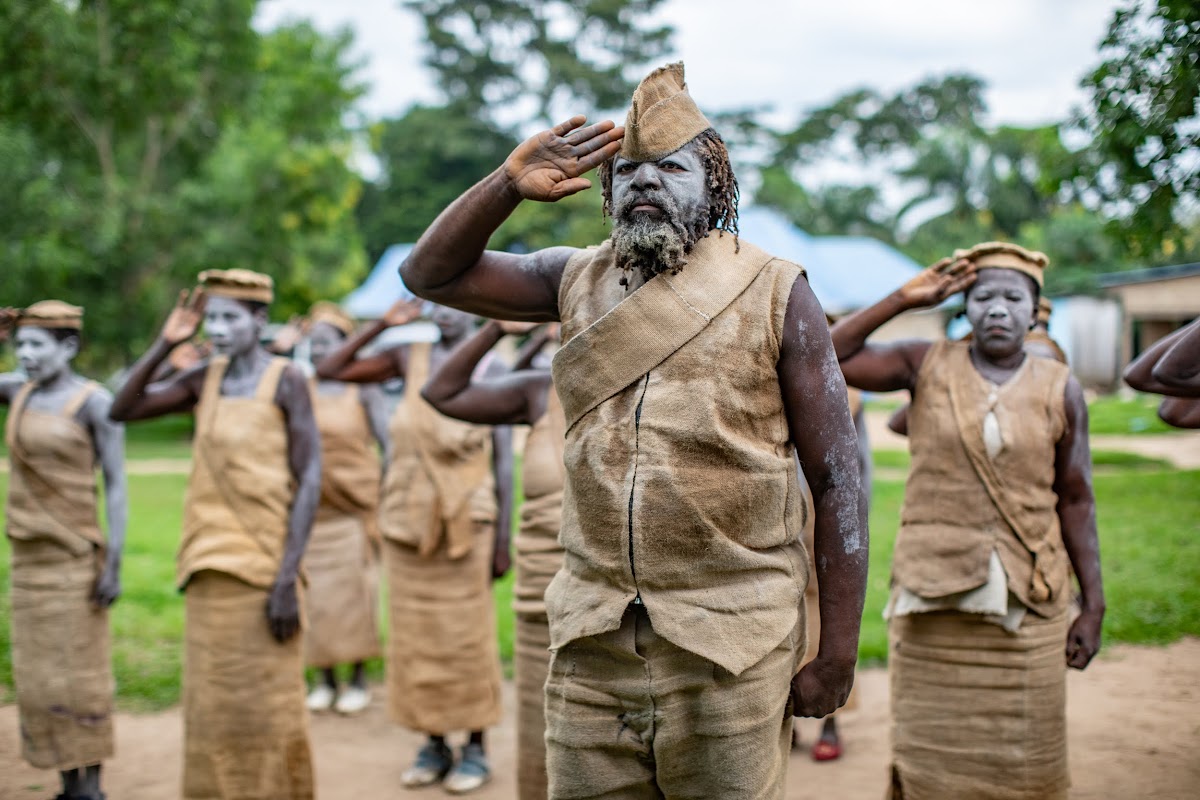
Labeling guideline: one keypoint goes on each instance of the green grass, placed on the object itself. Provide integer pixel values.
(1150, 538)
(1114, 415)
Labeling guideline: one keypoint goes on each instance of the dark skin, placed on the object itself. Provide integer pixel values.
(47, 361)
(1000, 307)
(393, 363)
(234, 330)
(1168, 368)
(323, 339)
(451, 265)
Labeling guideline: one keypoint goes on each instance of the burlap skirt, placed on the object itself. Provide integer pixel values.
(532, 657)
(976, 711)
(443, 665)
(62, 666)
(245, 722)
(343, 593)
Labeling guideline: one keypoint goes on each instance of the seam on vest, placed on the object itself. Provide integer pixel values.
(705, 317)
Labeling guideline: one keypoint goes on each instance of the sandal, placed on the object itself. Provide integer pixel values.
(825, 750)
(471, 772)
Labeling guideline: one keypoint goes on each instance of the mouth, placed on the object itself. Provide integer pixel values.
(996, 330)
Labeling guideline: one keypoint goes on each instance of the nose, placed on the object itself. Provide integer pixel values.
(998, 310)
(646, 177)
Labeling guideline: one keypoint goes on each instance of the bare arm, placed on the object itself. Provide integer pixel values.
(141, 399)
(109, 441)
(1179, 368)
(888, 367)
(450, 263)
(341, 365)
(515, 398)
(1077, 517)
(375, 407)
(531, 348)
(502, 465)
(823, 433)
(1140, 372)
(304, 460)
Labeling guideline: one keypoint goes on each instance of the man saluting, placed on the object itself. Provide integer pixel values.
(694, 367)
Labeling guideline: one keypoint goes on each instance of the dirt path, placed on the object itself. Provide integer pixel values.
(1134, 720)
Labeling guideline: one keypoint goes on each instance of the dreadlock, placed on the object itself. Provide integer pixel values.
(722, 183)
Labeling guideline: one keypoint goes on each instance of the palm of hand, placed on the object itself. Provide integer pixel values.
(403, 312)
(548, 166)
(181, 325)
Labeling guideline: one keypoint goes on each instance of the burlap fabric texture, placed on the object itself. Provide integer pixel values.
(342, 558)
(662, 116)
(629, 715)
(976, 711)
(245, 722)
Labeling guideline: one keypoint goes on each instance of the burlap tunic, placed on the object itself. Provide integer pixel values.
(437, 517)
(978, 711)
(539, 558)
(342, 558)
(62, 666)
(245, 722)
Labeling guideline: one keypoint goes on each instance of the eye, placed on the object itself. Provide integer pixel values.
(671, 166)
(625, 168)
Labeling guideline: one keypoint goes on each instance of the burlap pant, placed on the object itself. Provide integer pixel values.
(630, 715)
(343, 593)
(62, 667)
(976, 711)
(532, 657)
(245, 725)
(443, 667)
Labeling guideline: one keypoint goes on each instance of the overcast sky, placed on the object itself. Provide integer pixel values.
(794, 54)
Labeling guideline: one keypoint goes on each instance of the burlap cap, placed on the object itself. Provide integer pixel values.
(1004, 255)
(1044, 309)
(662, 117)
(331, 314)
(52, 314)
(239, 284)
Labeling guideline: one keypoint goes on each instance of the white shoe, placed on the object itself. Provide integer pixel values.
(352, 700)
(321, 698)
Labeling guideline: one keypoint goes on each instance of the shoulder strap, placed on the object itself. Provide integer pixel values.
(416, 369)
(76, 402)
(210, 394)
(646, 328)
(268, 384)
(15, 410)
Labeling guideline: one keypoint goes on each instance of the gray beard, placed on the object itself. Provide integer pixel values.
(654, 245)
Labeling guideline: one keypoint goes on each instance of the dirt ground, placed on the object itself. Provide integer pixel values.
(1134, 726)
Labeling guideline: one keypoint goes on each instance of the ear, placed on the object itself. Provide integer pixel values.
(70, 346)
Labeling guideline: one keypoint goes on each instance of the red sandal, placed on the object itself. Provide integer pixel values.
(826, 751)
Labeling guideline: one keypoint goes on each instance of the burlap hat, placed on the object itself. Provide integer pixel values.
(331, 314)
(239, 284)
(1004, 255)
(52, 314)
(662, 117)
(1043, 311)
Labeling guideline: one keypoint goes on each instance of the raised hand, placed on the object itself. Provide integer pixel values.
(403, 312)
(941, 280)
(184, 320)
(8, 320)
(288, 336)
(547, 167)
(513, 328)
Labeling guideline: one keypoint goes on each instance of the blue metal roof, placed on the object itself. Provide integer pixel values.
(845, 272)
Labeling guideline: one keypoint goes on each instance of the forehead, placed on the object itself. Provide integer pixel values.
(686, 156)
(224, 306)
(324, 331)
(34, 335)
(997, 278)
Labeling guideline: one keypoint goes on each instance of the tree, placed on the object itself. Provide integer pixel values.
(1143, 118)
(151, 139)
(507, 54)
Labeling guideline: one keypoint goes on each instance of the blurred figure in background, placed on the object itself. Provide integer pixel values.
(65, 572)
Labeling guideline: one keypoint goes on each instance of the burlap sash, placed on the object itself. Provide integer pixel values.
(644, 329)
(52, 488)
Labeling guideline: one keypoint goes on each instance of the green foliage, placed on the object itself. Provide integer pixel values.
(1143, 120)
(538, 53)
(145, 140)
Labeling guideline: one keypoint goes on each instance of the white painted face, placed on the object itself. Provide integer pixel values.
(232, 327)
(323, 340)
(42, 356)
(673, 188)
(1001, 305)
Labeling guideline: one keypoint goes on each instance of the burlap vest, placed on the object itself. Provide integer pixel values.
(681, 482)
(960, 505)
(350, 466)
(239, 494)
(539, 555)
(52, 483)
(439, 483)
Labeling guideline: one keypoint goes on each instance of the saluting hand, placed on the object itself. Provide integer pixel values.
(8, 319)
(184, 320)
(547, 167)
(283, 611)
(403, 312)
(933, 285)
